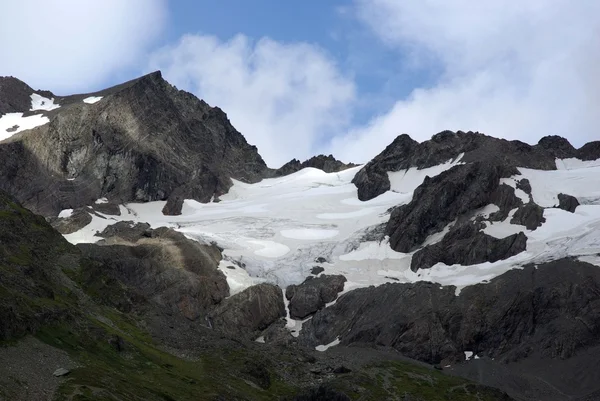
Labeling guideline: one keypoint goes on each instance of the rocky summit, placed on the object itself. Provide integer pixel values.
(147, 252)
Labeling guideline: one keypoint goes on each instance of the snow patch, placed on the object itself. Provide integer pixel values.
(13, 123)
(39, 102)
(468, 355)
(269, 249)
(406, 181)
(65, 213)
(101, 201)
(92, 99)
(574, 163)
(238, 279)
(309, 233)
(323, 348)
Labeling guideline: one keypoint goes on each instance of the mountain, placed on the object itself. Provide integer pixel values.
(140, 141)
(462, 267)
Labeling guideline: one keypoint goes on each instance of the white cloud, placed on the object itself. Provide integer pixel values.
(64, 45)
(284, 98)
(518, 70)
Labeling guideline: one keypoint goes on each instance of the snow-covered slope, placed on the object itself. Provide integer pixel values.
(278, 228)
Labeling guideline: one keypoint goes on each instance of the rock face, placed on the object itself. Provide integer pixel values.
(312, 295)
(440, 200)
(14, 95)
(518, 314)
(529, 215)
(144, 141)
(249, 312)
(467, 245)
(159, 266)
(567, 202)
(328, 164)
(404, 153)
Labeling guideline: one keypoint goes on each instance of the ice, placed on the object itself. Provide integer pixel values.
(41, 103)
(309, 233)
(583, 183)
(278, 227)
(574, 164)
(65, 213)
(269, 249)
(92, 99)
(406, 181)
(323, 348)
(238, 279)
(13, 123)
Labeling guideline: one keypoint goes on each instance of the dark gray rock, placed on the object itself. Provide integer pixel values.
(126, 230)
(246, 314)
(404, 153)
(328, 164)
(529, 215)
(442, 199)
(172, 272)
(316, 270)
(111, 209)
(524, 185)
(524, 312)
(466, 245)
(14, 95)
(312, 295)
(78, 219)
(567, 202)
(144, 141)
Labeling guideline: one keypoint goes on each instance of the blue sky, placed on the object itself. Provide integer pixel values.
(341, 77)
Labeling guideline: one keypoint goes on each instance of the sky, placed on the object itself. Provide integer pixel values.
(340, 77)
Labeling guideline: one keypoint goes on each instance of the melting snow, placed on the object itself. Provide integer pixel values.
(42, 103)
(12, 123)
(277, 228)
(92, 99)
(326, 347)
(65, 213)
(406, 181)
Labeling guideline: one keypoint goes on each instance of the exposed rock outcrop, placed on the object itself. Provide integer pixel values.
(520, 313)
(328, 164)
(76, 221)
(567, 202)
(144, 141)
(467, 245)
(313, 294)
(529, 215)
(440, 200)
(245, 314)
(404, 153)
(159, 266)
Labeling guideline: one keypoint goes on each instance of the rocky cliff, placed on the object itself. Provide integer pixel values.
(144, 140)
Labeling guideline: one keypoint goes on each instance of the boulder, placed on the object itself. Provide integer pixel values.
(567, 202)
(312, 295)
(246, 314)
(529, 215)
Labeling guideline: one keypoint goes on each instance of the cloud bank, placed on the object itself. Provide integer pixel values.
(285, 98)
(509, 69)
(65, 45)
